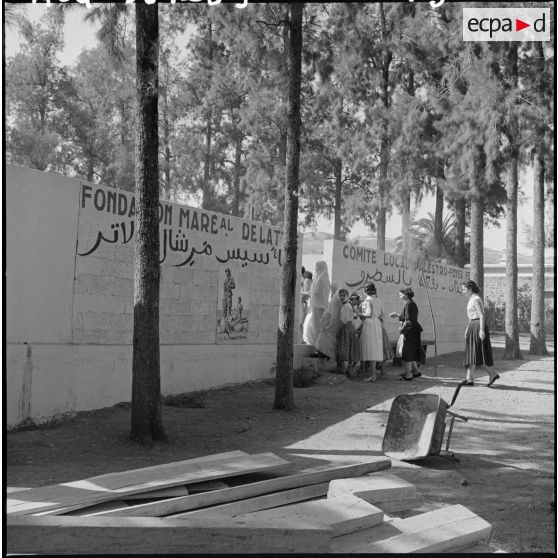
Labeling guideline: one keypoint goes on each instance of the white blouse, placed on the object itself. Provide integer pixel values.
(472, 312)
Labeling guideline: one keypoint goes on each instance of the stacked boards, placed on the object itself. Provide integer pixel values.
(214, 504)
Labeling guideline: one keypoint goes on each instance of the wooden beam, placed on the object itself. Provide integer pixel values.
(234, 493)
(206, 486)
(441, 538)
(80, 494)
(170, 492)
(374, 488)
(261, 502)
(344, 514)
(77, 535)
(435, 531)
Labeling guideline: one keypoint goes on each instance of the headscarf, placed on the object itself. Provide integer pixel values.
(319, 291)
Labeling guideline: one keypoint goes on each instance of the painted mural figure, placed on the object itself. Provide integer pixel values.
(478, 349)
(305, 295)
(411, 330)
(346, 338)
(317, 303)
(228, 287)
(239, 308)
(370, 343)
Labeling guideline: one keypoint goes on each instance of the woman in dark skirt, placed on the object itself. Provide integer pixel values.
(478, 350)
(411, 330)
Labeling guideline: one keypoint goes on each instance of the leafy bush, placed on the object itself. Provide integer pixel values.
(496, 312)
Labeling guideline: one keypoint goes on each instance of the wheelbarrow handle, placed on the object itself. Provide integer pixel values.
(464, 419)
(455, 394)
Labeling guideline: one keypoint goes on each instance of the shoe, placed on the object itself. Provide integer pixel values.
(469, 383)
(371, 378)
(405, 378)
(416, 374)
(494, 378)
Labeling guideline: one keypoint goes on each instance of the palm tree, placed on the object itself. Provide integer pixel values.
(424, 241)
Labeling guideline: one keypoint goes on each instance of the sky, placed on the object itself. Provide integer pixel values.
(80, 35)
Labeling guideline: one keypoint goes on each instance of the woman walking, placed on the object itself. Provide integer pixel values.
(370, 342)
(411, 330)
(478, 350)
(317, 303)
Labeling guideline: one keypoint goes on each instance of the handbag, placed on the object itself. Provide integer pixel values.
(399, 346)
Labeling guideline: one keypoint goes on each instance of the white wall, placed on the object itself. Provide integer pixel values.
(70, 296)
(352, 267)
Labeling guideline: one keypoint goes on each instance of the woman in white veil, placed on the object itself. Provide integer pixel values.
(319, 297)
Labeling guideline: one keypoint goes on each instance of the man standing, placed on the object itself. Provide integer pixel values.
(228, 287)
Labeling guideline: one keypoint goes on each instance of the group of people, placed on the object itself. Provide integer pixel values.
(343, 327)
(350, 330)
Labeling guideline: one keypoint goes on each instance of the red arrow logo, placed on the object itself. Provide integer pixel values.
(519, 25)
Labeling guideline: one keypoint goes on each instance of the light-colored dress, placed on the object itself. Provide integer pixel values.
(319, 295)
(370, 342)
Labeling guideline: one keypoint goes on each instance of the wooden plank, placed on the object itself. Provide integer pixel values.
(344, 514)
(441, 538)
(261, 502)
(150, 469)
(424, 528)
(170, 492)
(87, 492)
(234, 493)
(374, 488)
(77, 535)
(206, 486)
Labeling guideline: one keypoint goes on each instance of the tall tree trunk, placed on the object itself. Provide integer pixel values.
(235, 209)
(511, 351)
(285, 332)
(338, 174)
(538, 339)
(460, 209)
(439, 222)
(406, 221)
(477, 219)
(146, 419)
(166, 186)
(384, 143)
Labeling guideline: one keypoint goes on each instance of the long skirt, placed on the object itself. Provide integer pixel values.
(388, 351)
(311, 328)
(346, 343)
(477, 351)
(370, 342)
(412, 348)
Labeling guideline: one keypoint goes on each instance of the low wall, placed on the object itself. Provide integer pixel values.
(69, 253)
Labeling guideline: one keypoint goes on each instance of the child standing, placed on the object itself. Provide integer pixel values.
(346, 338)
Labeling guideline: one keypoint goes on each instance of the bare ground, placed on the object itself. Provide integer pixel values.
(505, 473)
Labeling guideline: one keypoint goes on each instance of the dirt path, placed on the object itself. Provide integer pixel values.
(505, 473)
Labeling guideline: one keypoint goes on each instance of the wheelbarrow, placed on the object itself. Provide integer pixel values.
(416, 426)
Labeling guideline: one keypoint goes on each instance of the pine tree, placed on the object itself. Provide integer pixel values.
(284, 375)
